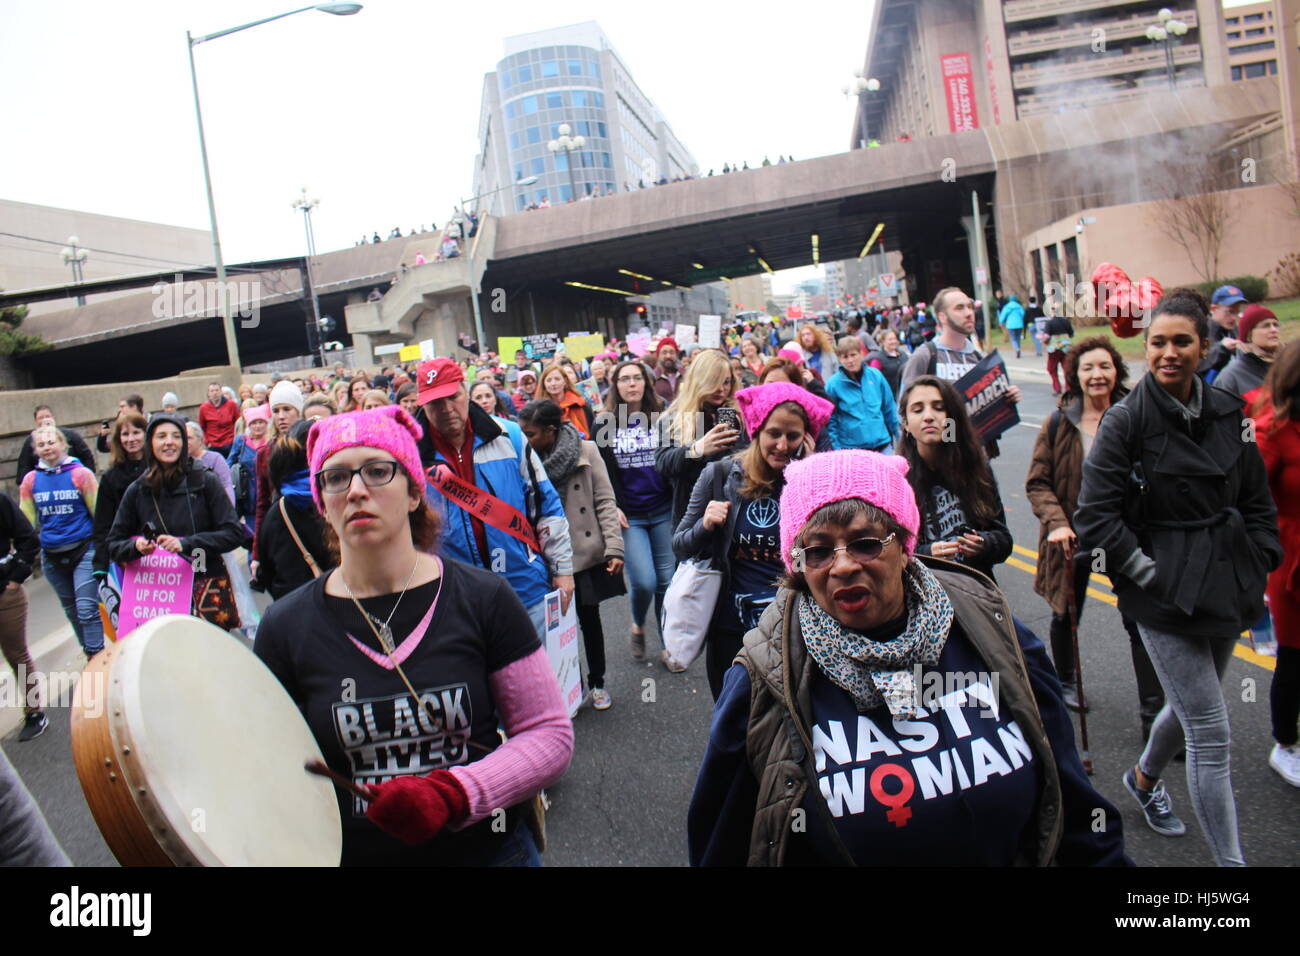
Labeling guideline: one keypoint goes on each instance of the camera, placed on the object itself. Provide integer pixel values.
(150, 531)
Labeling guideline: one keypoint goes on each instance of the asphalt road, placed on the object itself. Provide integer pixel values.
(624, 799)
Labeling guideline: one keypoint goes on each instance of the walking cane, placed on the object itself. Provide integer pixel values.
(1078, 664)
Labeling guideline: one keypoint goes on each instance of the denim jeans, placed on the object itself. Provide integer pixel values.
(649, 559)
(1015, 335)
(519, 849)
(1191, 670)
(79, 594)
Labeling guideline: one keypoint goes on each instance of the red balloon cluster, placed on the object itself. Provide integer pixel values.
(1123, 300)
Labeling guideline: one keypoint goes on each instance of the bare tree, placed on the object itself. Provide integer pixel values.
(1013, 266)
(1194, 213)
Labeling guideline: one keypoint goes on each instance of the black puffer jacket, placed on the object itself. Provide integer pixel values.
(112, 488)
(195, 509)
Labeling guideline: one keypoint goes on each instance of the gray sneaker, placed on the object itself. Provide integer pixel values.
(636, 643)
(1155, 806)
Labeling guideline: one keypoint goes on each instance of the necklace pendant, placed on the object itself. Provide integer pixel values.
(386, 638)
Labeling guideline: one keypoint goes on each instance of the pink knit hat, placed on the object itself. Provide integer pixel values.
(830, 476)
(756, 404)
(388, 428)
(257, 413)
(794, 355)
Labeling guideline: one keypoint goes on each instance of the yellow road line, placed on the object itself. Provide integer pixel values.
(1240, 650)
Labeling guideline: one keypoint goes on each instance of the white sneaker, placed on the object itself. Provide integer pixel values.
(1286, 761)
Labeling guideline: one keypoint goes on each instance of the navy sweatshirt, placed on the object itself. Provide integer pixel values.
(955, 787)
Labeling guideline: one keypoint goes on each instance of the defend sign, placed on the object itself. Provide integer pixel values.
(154, 585)
(959, 87)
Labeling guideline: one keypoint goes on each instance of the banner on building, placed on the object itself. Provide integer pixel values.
(959, 87)
(984, 390)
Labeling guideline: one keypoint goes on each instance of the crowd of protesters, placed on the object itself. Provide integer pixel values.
(829, 474)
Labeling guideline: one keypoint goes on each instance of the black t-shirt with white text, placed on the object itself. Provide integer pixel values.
(363, 717)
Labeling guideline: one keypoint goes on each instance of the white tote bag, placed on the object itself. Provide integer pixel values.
(688, 609)
(692, 595)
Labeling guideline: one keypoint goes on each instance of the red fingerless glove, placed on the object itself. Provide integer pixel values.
(415, 809)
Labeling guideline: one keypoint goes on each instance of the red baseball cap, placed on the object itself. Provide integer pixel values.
(437, 378)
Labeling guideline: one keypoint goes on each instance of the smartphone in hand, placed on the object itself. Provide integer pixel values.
(730, 417)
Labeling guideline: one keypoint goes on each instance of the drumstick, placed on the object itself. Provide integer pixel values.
(321, 770)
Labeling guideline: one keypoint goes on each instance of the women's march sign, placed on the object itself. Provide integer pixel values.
(154, 585)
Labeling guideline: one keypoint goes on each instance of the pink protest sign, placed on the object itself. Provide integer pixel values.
(154, 585)
(638, 344)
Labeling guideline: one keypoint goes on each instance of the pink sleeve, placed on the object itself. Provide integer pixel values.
(540, 742)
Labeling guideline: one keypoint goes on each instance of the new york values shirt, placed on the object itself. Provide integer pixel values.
(450, 634)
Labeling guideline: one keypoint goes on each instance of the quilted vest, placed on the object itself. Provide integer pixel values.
(779, 741)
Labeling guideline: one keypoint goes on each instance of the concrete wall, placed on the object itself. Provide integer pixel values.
(82, 409)
(1264, 228)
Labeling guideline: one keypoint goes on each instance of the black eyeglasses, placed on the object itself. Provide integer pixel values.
(373, 474)
(820, 556)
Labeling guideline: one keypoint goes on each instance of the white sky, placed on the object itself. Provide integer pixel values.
(375, 113)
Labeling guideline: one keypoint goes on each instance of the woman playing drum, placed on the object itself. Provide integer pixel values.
(405, 664)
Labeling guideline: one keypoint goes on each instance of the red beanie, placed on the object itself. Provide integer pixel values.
(1251, 316)
(666, 340)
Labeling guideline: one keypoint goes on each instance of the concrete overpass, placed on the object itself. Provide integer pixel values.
(573, 267)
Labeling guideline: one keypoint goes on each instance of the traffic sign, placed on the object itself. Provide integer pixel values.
(888, 284)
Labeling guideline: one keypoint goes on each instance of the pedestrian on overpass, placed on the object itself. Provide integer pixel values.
(841, 712)
(1096, 378)
(1179, 507)
(962, 518)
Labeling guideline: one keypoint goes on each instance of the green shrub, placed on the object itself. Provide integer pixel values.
(1254, 288)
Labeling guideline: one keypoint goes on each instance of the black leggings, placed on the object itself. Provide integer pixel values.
(593, 641)
(1151, 696)
(1284, 696)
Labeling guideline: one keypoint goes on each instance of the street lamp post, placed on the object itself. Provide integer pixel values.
(860, 87)
(75, 257)
(568, 145)
(338, 9)
(472, 247)
(1167, 32)
(307, 205)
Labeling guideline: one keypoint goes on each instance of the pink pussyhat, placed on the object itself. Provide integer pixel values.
(831, 476)
(792, 354)
(257, 413)
(387, 428)
(756, 404)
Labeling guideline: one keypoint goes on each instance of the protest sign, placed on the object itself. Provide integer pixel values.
(409, 353)
(685, 335)
(711, 331)
(544, 344)
(638, 344)
(562, 650)
(579, 347)
(984, 390)
(110, 599)
(154, 585)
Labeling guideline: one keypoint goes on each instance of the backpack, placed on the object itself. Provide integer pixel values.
(241, 480)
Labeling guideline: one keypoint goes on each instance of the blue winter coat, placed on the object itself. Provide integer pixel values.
(866, 412)
(1012, 315)
(506, 466)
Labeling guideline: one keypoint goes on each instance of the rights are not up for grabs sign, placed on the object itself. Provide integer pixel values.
(154, 585)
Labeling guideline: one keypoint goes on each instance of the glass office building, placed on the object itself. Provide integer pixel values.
(570, 75)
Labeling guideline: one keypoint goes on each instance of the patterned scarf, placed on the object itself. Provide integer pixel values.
(875, 672)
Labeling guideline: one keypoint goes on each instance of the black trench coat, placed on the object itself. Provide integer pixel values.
(1207, 517)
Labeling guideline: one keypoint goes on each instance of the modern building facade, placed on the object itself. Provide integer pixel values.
(951, 65)
(568, 76)
(1252, 35)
